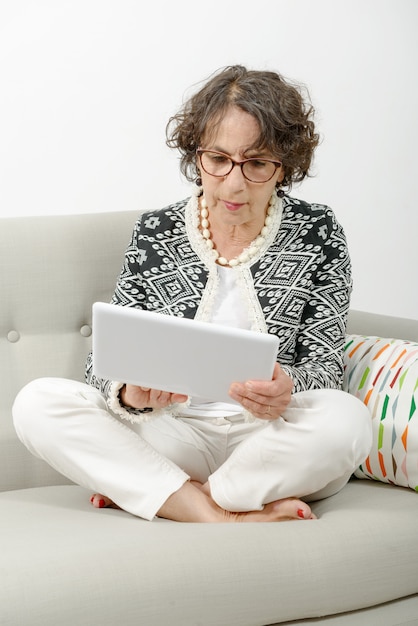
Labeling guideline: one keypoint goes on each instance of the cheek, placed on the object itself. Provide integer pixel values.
(210, 187)
(262, 196)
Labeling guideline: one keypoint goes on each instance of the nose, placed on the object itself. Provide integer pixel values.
(236, 179)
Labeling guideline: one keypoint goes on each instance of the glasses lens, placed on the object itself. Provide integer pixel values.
(215, 163)
(258, 171)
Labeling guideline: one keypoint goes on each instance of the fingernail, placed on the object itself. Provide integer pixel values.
(101, 503)
(301, 513)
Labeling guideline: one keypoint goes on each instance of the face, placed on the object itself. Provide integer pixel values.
(232, 198)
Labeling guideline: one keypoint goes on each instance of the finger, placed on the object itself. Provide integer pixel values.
(262, 411)
(237, 391)
(261, 406)
(178, 398)
(261, 391)
(160, 398)
(166, 398)
(266, 398)
(240, 394)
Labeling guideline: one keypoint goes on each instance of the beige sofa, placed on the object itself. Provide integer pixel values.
(66, 563)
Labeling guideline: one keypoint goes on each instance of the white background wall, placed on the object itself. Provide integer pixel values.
(87, 86)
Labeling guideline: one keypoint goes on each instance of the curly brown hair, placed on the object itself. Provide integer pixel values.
(287, 129)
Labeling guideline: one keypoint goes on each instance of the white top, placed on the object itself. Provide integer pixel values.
(230, 309)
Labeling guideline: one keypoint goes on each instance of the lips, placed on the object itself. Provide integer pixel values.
(232, 206)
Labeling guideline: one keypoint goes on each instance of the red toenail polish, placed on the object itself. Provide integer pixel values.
(91, 499)
(301, 513)
(101, 503)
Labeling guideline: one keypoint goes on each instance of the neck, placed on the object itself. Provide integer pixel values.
(235, 244)
(235, 235)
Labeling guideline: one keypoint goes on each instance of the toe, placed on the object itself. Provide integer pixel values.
(306, 513)
(293, 509)
(99, 501)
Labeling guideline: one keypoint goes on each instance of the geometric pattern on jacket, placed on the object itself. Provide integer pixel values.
(298, 287)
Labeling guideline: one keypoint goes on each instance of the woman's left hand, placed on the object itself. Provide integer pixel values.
(265, 399)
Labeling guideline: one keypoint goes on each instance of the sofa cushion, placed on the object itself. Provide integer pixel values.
(383, 373)
(69, 564)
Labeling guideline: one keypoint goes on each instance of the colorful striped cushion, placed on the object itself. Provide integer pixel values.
(383, 373)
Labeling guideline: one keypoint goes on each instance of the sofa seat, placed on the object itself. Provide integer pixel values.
(64, 563)
(61, 567)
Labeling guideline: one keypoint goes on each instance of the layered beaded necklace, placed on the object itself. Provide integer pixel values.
(254, 246)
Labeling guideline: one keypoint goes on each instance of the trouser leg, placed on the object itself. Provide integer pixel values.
(312, 450)
(310, 453)
(67, 424)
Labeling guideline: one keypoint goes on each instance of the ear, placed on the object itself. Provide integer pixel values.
(280, 177)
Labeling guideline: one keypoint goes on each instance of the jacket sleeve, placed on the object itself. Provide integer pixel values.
(319, 354)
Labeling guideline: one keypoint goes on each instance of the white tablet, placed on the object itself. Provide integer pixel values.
(176, 354)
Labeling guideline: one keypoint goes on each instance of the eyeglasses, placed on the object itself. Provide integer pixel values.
(220, 164)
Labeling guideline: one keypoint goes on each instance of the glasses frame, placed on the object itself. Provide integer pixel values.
(201, 151)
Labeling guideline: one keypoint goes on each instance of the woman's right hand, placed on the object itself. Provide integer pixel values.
(144, 397)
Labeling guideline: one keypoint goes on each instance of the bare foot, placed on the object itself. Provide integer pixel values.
(278, 511)
(100, 502)
(193, 503)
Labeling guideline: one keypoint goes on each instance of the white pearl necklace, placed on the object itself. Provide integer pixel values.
(254, 246)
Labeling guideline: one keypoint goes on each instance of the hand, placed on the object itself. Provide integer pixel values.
(142, 397)
(265, 399)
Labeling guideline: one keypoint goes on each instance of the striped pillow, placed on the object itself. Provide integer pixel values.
(383, 373)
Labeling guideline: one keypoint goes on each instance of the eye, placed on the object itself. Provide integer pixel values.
(258, 163)
(216, 157)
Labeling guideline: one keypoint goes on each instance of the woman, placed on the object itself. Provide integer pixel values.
(238, 252)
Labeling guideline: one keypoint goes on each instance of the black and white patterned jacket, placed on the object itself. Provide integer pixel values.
(298, 286)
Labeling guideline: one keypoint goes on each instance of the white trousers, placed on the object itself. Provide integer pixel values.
(309, 453)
